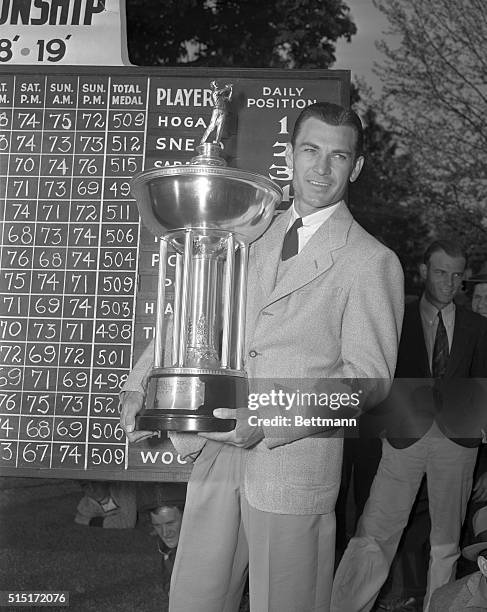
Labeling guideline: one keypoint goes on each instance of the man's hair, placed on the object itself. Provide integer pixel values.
(482, 553)
(332, 114)
(170, 504)
(451, 248)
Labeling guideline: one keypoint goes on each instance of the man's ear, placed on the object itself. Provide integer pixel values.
(423, 271)
(482, 563)
(357, 168)
(289, 155)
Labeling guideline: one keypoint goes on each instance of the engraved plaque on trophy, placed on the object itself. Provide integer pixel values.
(209, 214)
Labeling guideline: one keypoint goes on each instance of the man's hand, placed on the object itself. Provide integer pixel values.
(244, 435)
(480, 489)
(132, 402)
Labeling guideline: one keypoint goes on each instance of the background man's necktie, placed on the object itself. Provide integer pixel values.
(290, 246)
(440, 350)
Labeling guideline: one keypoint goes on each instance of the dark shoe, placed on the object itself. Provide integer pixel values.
(406, 604)
(90, 509)
(117, 511)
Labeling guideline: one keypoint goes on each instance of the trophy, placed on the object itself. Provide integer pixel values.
(209, 214)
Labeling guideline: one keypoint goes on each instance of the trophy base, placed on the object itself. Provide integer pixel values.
(185, 402)
(178, 422)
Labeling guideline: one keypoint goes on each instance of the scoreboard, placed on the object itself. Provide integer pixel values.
(78, 272)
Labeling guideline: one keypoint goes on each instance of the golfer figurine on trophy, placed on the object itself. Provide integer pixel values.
(220, 98)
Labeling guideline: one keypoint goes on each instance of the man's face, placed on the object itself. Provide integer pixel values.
(442, 276)
(479, 299)
(323, 161)
(167, 523)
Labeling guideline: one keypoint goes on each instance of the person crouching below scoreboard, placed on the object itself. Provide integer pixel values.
(166, 522)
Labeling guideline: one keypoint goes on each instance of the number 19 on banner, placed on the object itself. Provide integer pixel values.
(52, 50)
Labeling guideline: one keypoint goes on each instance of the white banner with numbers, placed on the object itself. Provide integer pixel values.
(73, 32)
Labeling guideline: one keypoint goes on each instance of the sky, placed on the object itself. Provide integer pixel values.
(359, 55)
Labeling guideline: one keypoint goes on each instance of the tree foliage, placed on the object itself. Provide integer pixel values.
(287, 33)
(239, 33)
(379, 198)
(435, 100)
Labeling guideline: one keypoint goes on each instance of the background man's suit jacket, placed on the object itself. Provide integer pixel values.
(460, 407)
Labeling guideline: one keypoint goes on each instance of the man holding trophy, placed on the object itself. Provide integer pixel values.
(324, 307)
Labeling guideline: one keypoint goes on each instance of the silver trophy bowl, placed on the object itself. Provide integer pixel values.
(205, 198)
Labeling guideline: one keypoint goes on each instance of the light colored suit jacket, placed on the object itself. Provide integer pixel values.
(336, 313)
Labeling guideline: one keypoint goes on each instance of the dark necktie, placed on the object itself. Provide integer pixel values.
(290, 246)
(440, 350)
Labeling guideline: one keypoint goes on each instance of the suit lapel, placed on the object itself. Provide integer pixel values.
(421, 342)
(313, 260)
(461, 339)
(268, 252)
(413, 357)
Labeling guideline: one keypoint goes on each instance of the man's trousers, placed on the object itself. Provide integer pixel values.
(289, 557)
(365, 565)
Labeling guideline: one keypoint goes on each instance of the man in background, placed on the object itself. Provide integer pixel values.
(166, 521)
(432, 420)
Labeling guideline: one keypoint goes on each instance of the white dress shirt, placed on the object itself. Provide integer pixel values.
(310, 223)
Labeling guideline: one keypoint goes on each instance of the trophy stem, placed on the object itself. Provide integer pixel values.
(161, 303)
(177, 307)
(242, 299)
(186, 287)
(209, 153)
(227, 301)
